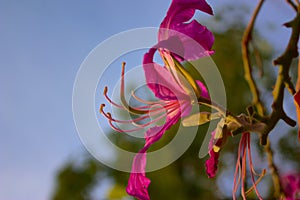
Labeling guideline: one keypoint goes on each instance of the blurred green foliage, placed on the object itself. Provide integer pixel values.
(76, 182)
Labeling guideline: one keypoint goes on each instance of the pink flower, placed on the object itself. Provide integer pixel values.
(291, 186)
(175, 99)
(178, 40)
(175, 102)
(184, 41)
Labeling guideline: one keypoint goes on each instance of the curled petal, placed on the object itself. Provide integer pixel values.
(204, 91)
(211, 164)
(182, 11)
(160, 80)
(196, 39)
(138, 182)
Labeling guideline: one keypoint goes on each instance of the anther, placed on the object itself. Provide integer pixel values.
(105, 90)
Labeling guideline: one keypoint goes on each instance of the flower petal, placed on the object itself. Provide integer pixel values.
(291, 185)
(182, 11)
(204, 91)
(196, 39)
(211, 164)
(160, 80)
(218, 139)
(138, 182)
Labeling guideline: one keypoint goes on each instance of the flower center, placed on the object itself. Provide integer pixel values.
(154, 112)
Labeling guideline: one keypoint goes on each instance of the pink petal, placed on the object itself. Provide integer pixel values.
(291, 185)
(160, 80)
(204, 91)
(196, 39)
(211, 164)
(182, 11)
(138, 182)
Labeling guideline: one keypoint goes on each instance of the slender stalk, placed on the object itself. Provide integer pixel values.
(278, 192)
(247, 37)
(292, 4)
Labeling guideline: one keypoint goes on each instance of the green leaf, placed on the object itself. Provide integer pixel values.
(199, 118)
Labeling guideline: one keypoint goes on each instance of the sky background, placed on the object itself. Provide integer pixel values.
(42, 45)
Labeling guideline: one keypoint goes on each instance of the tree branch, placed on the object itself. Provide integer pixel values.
(283, 81)
(278, 192)
(292, 4)
(284, 61)
(247, 37)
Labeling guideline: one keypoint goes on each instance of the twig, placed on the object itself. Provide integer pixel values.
(247, 37)
(284, 61)
(278, 192)
(283, 80)
(290, 86)
(292, 4)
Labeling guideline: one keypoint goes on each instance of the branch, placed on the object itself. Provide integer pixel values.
(292, 4)
(278, 192)
(284, 61)
(283, 80)
(247, 37)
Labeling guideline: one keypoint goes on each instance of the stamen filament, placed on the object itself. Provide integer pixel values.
(244, 169)
(252, 171)
(144, 101)
(157, 119)
(188, 77)
(110, 101)
(122, 96)
(244, 149)
(165, 105)
(121, 106)
(168, 66)
(154, 112)
(139, 127)
(238, 170)
(179, 68)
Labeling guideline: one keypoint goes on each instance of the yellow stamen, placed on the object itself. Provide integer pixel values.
(187, 76)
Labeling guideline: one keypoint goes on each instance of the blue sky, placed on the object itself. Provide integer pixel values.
(42, 46)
